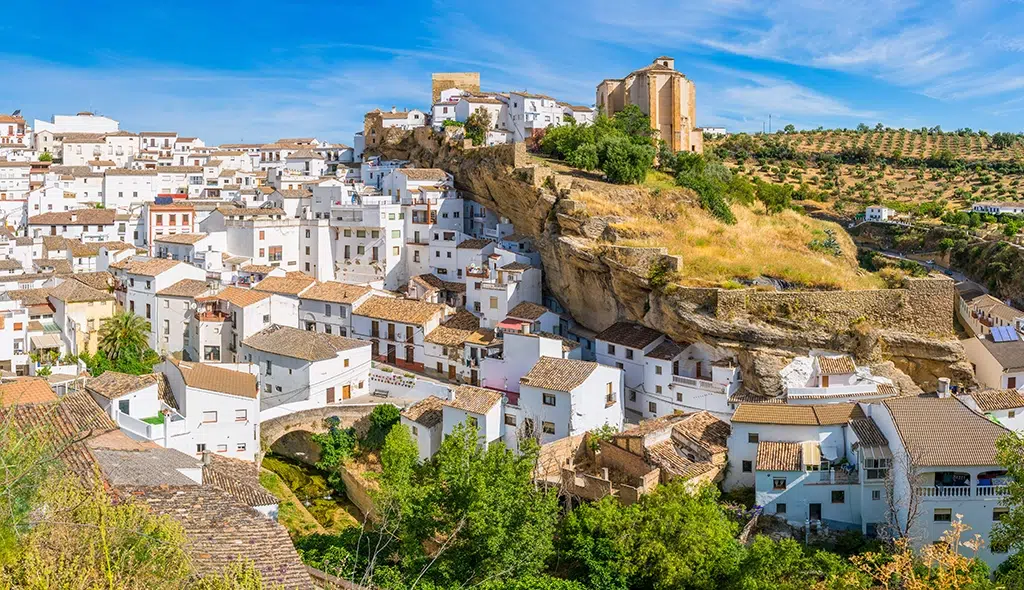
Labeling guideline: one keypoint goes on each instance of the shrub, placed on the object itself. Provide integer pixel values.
(382, 418)
(623, 161)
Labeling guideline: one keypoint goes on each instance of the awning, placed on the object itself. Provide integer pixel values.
(46, 341)
(874, 452)
(811, 453)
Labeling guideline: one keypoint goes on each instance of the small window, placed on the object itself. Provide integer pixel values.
(200, 448)
(752, 438)
(778, 483)
(609, 396)
(876, 495)
(780, 508)
(240, 447)
(548, 427)
(1011, 414)
(657, 369)
(346, 360)
(548, 399)
(748, 466)
(241, 415)
(510, 420)
(657, 389)
(629, 353)
(652, 407)
(999, 512)
(838, 496)
(942, 515)
(632, 396)
(209, 417)
(472, 421)
(611, 349)
(222, 448)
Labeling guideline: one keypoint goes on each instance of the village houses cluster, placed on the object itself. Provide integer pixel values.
(303, 274)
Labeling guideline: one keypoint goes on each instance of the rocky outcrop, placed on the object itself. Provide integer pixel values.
(600, 283)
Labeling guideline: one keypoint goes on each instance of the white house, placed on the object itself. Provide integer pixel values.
(1005, 406)
(396, 328)
(998, 358)
(826, 377)
(129, 400)
(878, 213)
(327, 307)
(300, 369)
(139, 279)
(998, 208)
(474, 406)
(175, 307)
(424, 421)
(565, 397)
(88, 225)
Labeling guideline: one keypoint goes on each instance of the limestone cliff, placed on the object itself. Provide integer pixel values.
(600, 283)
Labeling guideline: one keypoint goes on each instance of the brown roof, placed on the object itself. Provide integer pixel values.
(335, 292)
(210, 378)
(220, 531)
(669, 458)
(240, 479)
(59, 265)
(473, 399)
(80, 249)
(998, 399)
(704, 429)
(187, 239)
(629, 334)
(868, 433)
(185, 288)
(129, 172)
(100, 280)
(426, 412)
(242, 297)
(82, 217)
(28, 390)
(73, 291)
(666, 351)
(288, 285)
(250, 211)
(30, 296)
(943, 432)
(145, 266)
(424, 173)
(835, 365)
(515, 266)
(779, 456)
(301, 344)
(112, 384)
(474, 243)
(527, 311)
(1009, 355)
(558, 374)
(406, 311)
(810, 415)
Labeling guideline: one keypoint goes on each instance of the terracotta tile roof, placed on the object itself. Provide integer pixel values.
(187, 239)
(426, 412)
(646, 427)
(130, 172)
(113, 385)
(406, 311)
(65, 424)
(80, 249)
(998, 399)
(220, 531)
(515, 267)
(301, 344)
(289, 285)
(73, 291)
(185, 288)
(473, 243)
(667, 457)
(10, 264)
(473, 399)
(242, 297)
(809, 415)
(28, 390)
(527, 311)
(59, 265)
(55, 243)
(666, 351)
(100, 280)
(424, 173)
(30, 296)
(257, 268)
(240, 479)
(558, 374)
(250, 211)
(943, 432)
(629, 335)
(82, 217)
(779, 456)
(294, 193)
(868, 433)
(835, 365)
(335, 292)
(220, 380)
(705, 430)
(145, 266)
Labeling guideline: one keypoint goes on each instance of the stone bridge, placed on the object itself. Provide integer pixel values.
(312, 420)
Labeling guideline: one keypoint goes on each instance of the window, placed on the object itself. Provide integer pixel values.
(652, 407)
(618, 365)
(149, 311)
(999, 512)
(241, 415)
(240, 447)
(780, 508)
(657, 369)
(748, 466)
(609, 395)
(510, 420)
(263, 234)
(269, 368)
(547, 427)
(876, 468)
(167, 327)
(396, 251)
(753, 438)
(629, 353)
(778, 483)
(209, 417)
(942, 515)
(632, 396)
(549, 399)
(657, 389)
(148, 283)
(222, 448)
(200, 448)
(124, 406)
(266, 387)
(876, 495)
(611, 349)
(472, 421)
(494, 303)
(395, 233)
(1011, 414)
(838, 496)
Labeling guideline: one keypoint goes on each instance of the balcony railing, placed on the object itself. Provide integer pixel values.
(945, 491)
(704, 384)
(212, 316)
(991, 491)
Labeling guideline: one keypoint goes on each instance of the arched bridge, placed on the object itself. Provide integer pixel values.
(312, 420)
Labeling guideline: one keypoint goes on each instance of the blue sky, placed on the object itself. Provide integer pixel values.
(258, 70)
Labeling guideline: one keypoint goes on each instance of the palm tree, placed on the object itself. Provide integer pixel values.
(124, 335)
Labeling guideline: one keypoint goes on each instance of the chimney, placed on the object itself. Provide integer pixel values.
(206, 457)
(394, 109)
(943, 388)
(74, 217)
(526, 328)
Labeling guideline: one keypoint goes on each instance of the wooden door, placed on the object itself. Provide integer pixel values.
(1011, 383)
(474, 378)
(330, 395)
(696, 371)
(451, 371)
(824, 380)
(391, 353)
(391, 331)
(346, 391)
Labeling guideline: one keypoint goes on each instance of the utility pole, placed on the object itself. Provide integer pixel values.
(769, 122)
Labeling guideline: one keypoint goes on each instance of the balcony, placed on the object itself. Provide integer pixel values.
(704, 384)
(212, 316)
(945, 491)
(835, 391)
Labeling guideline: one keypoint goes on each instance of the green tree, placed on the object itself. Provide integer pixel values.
(774, 197)
(946, 244)
(477, 124)
(124, 335)
(789, 129)
(382, 418)
(635, 124)
(46, 157)
(1003, 140)
(1009, 531)
(623, 161)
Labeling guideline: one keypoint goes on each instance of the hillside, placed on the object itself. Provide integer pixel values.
(921, 174)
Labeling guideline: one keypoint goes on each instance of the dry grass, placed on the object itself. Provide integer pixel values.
(716, 254)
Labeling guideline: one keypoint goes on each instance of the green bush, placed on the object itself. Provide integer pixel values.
(382, 418)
